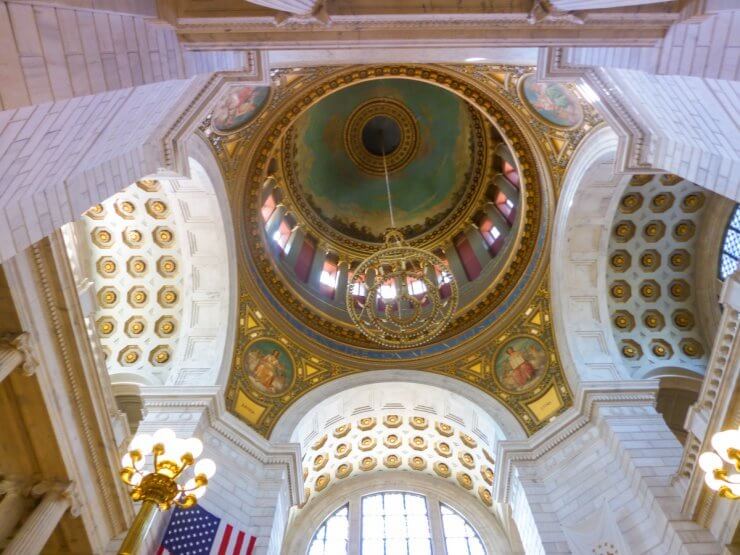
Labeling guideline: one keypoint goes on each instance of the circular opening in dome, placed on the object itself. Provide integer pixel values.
(381, 135)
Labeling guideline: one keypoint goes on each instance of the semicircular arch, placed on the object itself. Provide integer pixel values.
(405, 389)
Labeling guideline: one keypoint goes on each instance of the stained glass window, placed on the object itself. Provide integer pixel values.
(730, 255)
(395, 524)
(460, 538)
(331, 537)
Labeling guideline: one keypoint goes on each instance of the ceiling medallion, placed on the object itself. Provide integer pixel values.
(386, 118)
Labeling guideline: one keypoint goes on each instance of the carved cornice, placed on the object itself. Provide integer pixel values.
(634, 138)
(584, 413)
(432, 21)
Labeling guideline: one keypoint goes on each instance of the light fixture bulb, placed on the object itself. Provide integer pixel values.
(194, 446)
(127, 461)
(136, 479)
(712, 482)
(206, 467)
(142, 443)
(722, 441)
(164, 436)
(200, 492)
(709, 461)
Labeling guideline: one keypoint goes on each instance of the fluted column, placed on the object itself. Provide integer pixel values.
(12, 506)
(17, 352)
(37, 529)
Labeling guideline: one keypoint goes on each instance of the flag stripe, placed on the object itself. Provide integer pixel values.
(239, 542)
(252, 541)
(225, 540)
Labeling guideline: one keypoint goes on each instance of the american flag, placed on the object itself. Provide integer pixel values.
(195, 531)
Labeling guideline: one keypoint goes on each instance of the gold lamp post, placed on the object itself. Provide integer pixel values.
(158, 487)
(727, 447)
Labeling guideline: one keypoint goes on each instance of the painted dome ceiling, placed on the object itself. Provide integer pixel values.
(317, 198)
(333, 159)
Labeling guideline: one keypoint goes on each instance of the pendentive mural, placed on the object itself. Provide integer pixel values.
(280, 357)
(238, 107)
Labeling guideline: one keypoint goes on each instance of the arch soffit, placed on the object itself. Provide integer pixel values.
(589, 198)
(306, 521)
(500, 422)
(200, 151)
(203, 244)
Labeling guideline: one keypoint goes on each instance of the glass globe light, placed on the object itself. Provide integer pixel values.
(709, 461)
(142, 443)
(206, 467)
(194, 446)
(196, 490)
(712, 482)
(164, 436)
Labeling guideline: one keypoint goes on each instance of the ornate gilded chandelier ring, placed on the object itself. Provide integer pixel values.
(391, 120)
(404, 317)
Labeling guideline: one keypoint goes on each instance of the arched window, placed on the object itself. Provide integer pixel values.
(460, 538)
(729, 258)
(332, 536)
(395, 523)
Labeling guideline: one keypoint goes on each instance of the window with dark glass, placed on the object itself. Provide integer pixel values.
(729, 258)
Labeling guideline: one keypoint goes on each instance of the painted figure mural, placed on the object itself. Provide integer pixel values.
(269, 367)
(520, 362)
(238, 107)
(552, 101)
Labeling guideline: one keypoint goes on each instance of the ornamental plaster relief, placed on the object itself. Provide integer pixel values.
(155, 254)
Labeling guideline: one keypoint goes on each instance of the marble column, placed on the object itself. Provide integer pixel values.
(12, 506)
(17, 352)
(42, 522)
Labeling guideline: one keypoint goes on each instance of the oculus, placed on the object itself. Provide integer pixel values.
(378, 128)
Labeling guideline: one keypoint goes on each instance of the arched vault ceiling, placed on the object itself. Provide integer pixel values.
(504, 345)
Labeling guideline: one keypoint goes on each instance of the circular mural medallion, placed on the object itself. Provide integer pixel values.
(520, 363)
(552, 102)
(381, 125)
(268, 366)
(237, 107)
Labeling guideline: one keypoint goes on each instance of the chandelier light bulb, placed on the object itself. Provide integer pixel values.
(722, 442)
(709, 461)
(713, 483)
(718, 477)
(194, 446)
(206, 467)
(142, 443)
(164, 436)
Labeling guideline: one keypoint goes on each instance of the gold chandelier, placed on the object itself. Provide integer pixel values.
(159, 488)
(401, 296)
(726, 445)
